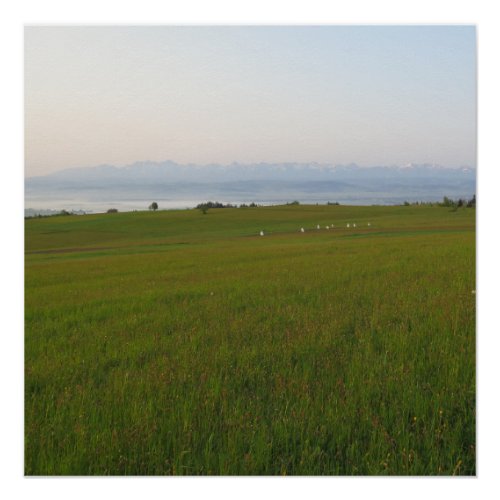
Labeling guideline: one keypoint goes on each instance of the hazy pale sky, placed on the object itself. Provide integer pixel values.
(373, 95)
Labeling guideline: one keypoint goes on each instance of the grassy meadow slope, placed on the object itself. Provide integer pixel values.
(181, 343)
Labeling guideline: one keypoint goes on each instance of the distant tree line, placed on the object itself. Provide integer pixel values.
(252, 205)
(447, 202)
(204, 207)
(215, 204)
(58, 214)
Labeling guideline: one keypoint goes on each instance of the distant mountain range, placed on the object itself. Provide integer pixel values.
(306, 182)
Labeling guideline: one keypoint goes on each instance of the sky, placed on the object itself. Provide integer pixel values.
(371, 95)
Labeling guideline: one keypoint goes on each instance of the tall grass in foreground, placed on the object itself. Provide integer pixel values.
(220, 352)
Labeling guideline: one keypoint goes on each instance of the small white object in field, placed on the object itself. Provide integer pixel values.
(327, 227)
(317, 227)
(347, 225)
(262, 233)
(369, 224)
(354, 225)
(301, 229)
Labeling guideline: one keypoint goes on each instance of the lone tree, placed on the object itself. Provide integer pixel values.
(203, 207)
(153, 206)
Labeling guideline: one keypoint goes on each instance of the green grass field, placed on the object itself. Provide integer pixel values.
(181, 343)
